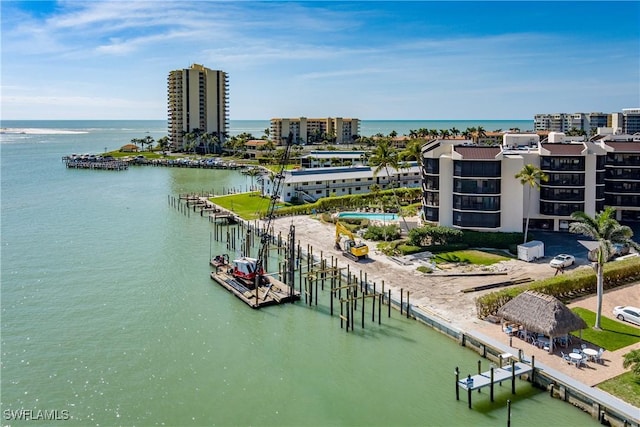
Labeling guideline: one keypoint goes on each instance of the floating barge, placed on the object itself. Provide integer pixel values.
(271, 292)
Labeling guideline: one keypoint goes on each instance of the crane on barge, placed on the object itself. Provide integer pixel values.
(245, 276)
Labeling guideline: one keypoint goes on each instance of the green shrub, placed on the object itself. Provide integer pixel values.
(434, 235)
(354, 201)
(564, 287)
(384, 232)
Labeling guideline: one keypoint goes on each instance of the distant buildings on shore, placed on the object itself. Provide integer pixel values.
(197, 102)
(626, 122)
(309, 130)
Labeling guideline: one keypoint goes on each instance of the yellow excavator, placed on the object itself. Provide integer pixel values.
(349, 247)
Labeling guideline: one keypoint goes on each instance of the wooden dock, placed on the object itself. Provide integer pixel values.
(276, 292)
(112, 165)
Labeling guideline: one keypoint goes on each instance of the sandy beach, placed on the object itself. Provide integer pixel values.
(439, 293)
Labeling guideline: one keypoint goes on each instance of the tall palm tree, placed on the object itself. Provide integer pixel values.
(606, 230)
(531, 176)
(385, 156)
(480, 133)
(163, 143)
(413, 150)
(148, 140)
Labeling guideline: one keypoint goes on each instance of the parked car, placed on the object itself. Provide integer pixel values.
(628, 313)
(619, 249)
(562, 261)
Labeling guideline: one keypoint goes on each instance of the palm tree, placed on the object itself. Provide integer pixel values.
(530, 175)
(148, 140)
(385, 156)
(163, 143)
(253, 173)
(480, 133)
(632, 360)
(606, 230)
(413, 150)
(135, 141)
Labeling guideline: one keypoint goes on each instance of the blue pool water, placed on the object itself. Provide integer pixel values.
(370, 216)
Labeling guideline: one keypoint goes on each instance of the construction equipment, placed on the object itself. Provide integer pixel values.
(250, 271)
(349, 247)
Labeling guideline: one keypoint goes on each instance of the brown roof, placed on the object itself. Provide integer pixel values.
(255, 142)
(627, 147)
(541, 313)
(477, 153)
(564, 149)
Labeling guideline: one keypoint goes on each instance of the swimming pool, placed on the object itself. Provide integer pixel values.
(370, 216)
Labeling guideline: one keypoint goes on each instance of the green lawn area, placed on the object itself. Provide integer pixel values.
(613, 336)
(471, 256)
(625, 387)
(248, 205)
(147, 154)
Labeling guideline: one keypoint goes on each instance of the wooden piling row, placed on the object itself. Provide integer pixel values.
(353, 292)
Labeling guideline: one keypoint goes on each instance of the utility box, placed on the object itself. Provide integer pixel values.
(531, 251)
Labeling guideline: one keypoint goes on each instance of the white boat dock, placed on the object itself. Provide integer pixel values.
(492, 377)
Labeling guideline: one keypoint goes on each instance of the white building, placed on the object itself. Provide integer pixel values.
(313, 184)
(324, 159)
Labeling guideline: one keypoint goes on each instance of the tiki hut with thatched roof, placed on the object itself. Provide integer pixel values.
(542, 313)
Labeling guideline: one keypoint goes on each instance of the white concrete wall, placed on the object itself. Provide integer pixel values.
(513, 202)
(445, 210)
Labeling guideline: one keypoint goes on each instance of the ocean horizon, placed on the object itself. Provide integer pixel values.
(257, 127)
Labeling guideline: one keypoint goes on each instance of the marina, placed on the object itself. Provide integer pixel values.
(160, 342)
(73, 162)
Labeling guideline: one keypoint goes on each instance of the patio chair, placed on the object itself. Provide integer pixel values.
(599, 355)
(566, 357)
(583, 346)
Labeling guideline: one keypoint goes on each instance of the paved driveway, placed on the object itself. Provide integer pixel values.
(557, 242)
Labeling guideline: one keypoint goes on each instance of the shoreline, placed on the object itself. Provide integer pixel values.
(439, 296)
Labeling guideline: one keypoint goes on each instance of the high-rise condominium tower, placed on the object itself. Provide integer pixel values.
(198, 107)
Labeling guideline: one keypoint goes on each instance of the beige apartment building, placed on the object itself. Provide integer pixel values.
(470, 186)
(197, 99)
(313, 131)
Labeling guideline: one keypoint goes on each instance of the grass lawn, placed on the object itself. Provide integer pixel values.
(147, 154)
(471, 256)
(625, 387)
(248, 205)
(614, 334)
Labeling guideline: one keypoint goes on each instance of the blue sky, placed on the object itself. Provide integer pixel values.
(371, 60)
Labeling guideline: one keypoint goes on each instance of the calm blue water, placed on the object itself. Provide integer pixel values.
(108, 313)
(368, 215)
(158, 128)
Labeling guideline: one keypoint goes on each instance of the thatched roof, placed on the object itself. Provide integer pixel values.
(541, 313)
